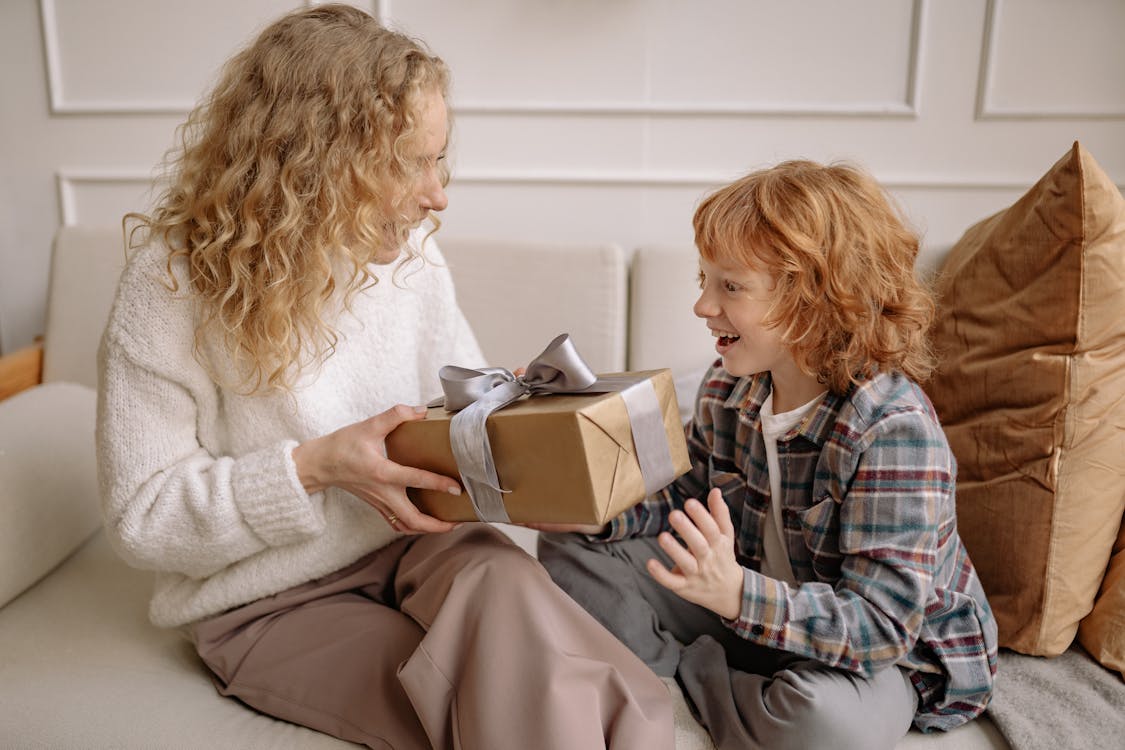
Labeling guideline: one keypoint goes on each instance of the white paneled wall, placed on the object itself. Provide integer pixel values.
(588, 120)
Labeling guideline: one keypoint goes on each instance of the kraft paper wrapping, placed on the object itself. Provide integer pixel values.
(563, 458)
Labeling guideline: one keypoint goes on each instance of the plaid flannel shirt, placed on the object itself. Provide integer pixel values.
(870, 523)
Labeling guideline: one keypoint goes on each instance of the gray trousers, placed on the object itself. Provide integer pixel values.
(746, 695)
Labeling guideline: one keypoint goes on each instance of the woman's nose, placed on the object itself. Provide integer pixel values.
(432, 196)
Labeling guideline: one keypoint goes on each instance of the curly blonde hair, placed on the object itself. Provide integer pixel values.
(848, 301)
(299, 163)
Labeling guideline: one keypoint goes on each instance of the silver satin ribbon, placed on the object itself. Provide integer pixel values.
(476, 394)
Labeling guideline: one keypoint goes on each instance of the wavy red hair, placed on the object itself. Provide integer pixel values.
(849, 302)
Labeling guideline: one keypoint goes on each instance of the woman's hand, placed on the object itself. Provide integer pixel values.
(353, 458)
(706, 572)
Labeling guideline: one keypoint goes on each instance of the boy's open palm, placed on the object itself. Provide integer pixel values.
(706, 571)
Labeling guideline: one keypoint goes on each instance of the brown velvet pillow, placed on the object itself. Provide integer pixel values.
(1031, 391)
(1102, 632)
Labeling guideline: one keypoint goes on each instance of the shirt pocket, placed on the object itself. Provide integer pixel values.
(726, 476)
(820, 527)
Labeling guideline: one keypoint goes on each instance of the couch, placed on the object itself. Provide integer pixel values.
(81, 667)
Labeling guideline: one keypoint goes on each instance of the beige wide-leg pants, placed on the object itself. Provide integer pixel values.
(458, 640)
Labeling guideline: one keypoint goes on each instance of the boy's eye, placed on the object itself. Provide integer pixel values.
(731, 286)
(702, 279)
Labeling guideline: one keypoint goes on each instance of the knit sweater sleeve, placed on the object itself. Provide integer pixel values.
(168, 503)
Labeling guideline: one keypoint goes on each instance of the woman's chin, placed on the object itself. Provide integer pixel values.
(386, 257)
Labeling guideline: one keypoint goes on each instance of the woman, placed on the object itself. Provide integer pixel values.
(278, 300)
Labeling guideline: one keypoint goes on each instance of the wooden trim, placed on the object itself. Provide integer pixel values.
(21, 370)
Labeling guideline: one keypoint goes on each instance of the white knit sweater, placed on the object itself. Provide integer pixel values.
(198, 482)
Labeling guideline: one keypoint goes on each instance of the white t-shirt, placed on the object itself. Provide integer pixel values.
(775, 558)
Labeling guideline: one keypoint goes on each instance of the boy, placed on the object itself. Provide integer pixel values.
(823, 594)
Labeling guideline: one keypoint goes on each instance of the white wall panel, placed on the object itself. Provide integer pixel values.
(140, 56)
(1045, 58)
(663, 56)
(784, 57)
(520, 141)
(588, 120)
(98, 198)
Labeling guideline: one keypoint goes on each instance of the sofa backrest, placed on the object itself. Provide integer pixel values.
(85, 265)
(520, 295)
(517, 296)
(663, 330)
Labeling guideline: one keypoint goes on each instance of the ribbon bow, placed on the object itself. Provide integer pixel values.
(476, 394)
(559, 369)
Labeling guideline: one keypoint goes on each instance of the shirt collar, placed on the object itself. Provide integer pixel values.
(750, 392)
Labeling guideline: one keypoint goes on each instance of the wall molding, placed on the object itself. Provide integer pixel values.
(987, 109)
(56, 91)
(69, 180)
(626, 178)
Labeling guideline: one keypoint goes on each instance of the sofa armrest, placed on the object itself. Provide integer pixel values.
(21, 370)
(48, 481)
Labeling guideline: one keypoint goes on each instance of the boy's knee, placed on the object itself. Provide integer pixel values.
(571, 561)
(557, 549)
(814, 718)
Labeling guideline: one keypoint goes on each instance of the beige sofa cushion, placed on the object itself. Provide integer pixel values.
(48, 483)
(1102, 632)
(85, 265)
(579, 289)
(663, 330)
(83, 668)
(1031, 391)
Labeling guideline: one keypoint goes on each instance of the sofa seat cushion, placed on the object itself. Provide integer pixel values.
(48, 481)
(83, 667)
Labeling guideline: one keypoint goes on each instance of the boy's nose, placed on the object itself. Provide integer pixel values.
(704, 307)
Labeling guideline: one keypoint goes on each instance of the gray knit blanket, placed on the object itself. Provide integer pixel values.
(1068, 701)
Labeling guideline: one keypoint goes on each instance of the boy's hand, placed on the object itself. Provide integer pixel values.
(706, 572)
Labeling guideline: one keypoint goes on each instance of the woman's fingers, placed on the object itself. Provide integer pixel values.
(385, 422)
(409, 476)
(417, 522)
(405, 517)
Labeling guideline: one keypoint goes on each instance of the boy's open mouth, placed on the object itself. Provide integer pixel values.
(724, 340)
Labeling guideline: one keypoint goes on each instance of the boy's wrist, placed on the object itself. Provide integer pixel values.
(731, 606)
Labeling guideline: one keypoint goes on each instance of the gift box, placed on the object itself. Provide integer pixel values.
(561, 458)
